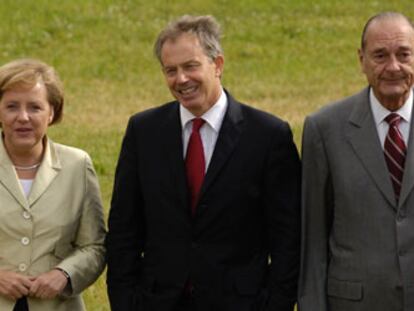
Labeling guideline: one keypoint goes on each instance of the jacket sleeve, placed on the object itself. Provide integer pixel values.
(282, 202)
(87, 261)
(316, 220)
(125, 237)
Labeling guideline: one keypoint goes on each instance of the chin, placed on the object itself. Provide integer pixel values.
(394, 92)
(24, 143)
(190, 105)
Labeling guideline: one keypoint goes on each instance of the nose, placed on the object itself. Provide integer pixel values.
(182, 77)
(393, 64)
(23, 115)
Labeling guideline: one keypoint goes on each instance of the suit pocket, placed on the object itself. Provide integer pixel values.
(344, 289)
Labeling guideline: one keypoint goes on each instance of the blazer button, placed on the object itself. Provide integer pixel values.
(25, 241)
(22, 267)
(26, 215)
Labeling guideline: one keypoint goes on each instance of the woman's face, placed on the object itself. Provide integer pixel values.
(25, 115)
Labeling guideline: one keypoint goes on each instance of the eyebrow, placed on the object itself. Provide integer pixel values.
(384, 49)
(191, 61)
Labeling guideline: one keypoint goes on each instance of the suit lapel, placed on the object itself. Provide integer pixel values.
(172, 137)
(363, 136)
(408, 177)
(227, 139)
(47, 171)
(9, 179)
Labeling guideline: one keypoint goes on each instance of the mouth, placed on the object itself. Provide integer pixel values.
(187, 90)
(23, 130)
(393, 79)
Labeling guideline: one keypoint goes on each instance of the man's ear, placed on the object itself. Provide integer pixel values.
(219, 62)
(361, 57)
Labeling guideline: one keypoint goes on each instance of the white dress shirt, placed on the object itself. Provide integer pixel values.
(209, 131)
(380, 113)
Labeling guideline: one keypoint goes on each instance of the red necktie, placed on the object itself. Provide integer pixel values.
(195, 163)
(395, 152)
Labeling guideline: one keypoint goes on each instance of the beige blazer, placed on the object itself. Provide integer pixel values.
(60, 224)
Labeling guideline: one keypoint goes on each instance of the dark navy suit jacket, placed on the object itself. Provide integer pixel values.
(248, 212)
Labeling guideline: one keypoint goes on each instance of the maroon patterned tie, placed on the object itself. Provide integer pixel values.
(395, 152)
(195, 163)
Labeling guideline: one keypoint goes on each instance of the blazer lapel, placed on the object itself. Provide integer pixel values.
(227, 139)
(47, 171)
(408, 178)
(172, 137)
(9, 179)
(363, 136)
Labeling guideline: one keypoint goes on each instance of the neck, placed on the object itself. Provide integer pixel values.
(25, 157)
(392, 103)
(27, 167)
(29, 159)
(198, 113)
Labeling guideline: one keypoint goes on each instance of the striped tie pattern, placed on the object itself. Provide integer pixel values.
(395, 152)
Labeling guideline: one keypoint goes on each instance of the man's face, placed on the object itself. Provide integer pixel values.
(192, 77)
(388, 60)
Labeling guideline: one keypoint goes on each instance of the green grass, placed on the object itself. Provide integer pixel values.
(288, 57)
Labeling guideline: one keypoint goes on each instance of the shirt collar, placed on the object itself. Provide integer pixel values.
(380, 112)
(214, 116)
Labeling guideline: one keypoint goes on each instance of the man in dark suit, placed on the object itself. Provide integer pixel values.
(358, 184)
(206, 191)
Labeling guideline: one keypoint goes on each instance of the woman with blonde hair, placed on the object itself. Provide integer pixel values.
(51, 220)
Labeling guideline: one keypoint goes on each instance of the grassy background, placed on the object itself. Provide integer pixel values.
(287, 57)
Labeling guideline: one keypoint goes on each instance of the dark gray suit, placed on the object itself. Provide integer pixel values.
(357, 242)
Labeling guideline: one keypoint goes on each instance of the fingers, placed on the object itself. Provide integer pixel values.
(19, 290)
(48, 285)
(16, 290)
(34, 289)
(14, 285)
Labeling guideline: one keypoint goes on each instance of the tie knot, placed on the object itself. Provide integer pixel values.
(393, 119)
(197, 123)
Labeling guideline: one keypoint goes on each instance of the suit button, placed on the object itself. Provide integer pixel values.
(22, 267)
(401, 216)
(26, 215)
(194, 245)
(401, 252)
(25, 241)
